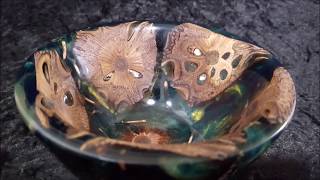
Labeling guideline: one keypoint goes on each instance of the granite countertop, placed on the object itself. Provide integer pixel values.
(287, 28)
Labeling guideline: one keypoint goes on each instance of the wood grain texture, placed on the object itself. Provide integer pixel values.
(274, 103)
(204, 63)
(58, 95)
(119, 61)
(214, 150)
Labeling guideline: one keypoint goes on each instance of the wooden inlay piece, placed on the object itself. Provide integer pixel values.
(119, 61)
(204, 63)
(58, 95)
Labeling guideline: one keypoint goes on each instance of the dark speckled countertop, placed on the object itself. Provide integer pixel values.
(288, 28)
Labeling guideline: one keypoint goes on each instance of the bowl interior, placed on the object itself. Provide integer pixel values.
(134, 87)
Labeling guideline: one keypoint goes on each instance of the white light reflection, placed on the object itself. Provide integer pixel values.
(77, 69)
(169, 103)
(151, 102)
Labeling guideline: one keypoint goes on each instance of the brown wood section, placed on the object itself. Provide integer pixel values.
(201, 63)
(274, 103)
(216, 150)
(119, 61)
(58, 95)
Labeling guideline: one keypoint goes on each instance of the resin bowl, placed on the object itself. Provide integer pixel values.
(140, 99)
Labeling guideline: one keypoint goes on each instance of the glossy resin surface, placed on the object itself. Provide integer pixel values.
(184, 99)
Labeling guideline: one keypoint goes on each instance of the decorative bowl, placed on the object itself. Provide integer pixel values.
(144, 99)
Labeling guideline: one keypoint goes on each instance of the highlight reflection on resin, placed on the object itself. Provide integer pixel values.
(182, 90)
